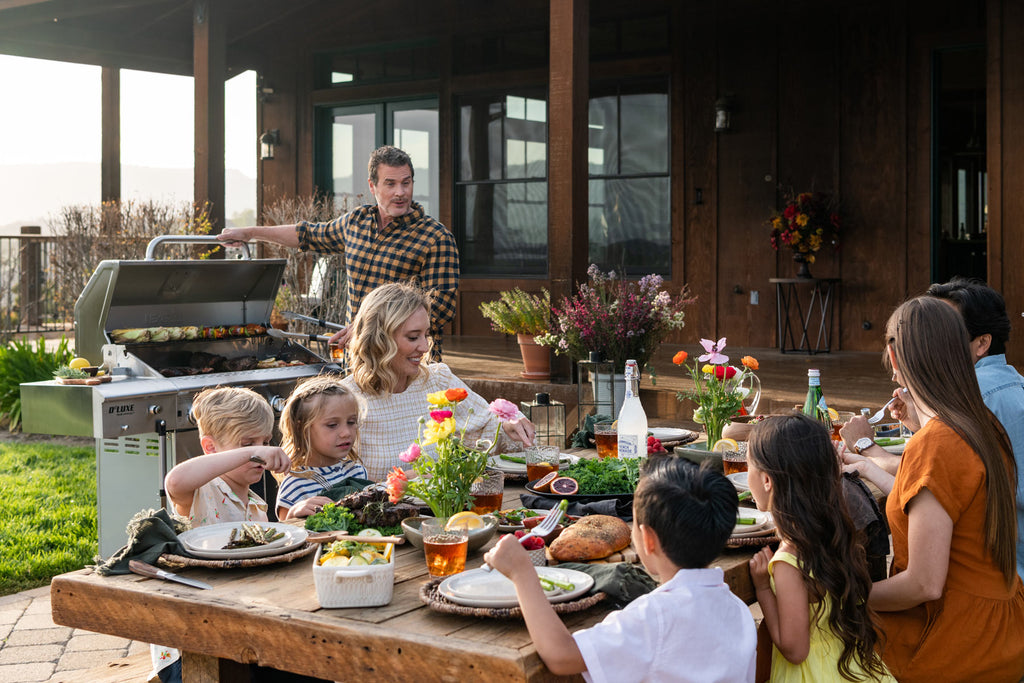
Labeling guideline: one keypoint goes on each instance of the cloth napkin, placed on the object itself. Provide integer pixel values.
(616, 508)
(584, 438)
(344, 487)
(151, 533)
(624, 582)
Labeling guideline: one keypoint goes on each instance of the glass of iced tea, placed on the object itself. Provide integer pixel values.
(735, 461)
(540, 460)
(337, 352)
(842, 418)
(607, 438)
(445, 549)
(487, 491)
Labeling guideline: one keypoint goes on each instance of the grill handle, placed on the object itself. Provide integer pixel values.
(187, 239)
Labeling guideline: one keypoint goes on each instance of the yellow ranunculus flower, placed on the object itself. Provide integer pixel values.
(437, 398)
(708, 369)
(801, 219)
(436, 431)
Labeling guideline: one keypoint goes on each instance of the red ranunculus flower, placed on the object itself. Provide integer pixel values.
(440, 415)
(724, 372)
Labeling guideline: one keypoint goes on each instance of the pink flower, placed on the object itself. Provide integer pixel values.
(505, 410)
(713, 354)
(439, 416)
(396, 481)
(410, 453)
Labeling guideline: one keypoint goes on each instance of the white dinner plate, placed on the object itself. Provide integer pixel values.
(496, 463)
(477, 588)
(668, 433)
(739, 480)
(208, 541)
(761, 520)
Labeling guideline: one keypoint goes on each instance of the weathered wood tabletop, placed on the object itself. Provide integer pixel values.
(270, 615)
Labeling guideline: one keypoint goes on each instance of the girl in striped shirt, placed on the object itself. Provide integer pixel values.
(319, 425)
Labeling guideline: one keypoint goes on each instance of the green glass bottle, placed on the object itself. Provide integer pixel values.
(814, 404)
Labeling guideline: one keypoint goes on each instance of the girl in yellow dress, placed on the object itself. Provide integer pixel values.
(813, 590)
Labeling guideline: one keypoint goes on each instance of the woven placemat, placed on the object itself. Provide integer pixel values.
(432, 598)
(752, 541)
(180, 561)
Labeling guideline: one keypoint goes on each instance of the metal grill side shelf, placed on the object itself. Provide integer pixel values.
(819, 308)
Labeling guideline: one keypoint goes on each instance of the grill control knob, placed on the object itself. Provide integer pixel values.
(190, 415)
(155, 410)
(277, 403)
(124, 428)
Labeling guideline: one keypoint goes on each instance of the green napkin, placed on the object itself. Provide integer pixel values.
(624, 582)
(584, 438)
(151, 533)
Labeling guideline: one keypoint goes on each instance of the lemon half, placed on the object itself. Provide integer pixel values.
(79, 363)
(470, 520)
(726, 444)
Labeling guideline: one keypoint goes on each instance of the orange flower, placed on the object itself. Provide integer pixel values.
(456, 395)
(680, 357)
(750, 362)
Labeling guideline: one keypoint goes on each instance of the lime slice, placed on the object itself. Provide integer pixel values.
(358, 561)
(369, 532)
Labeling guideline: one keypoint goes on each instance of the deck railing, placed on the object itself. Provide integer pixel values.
(27, 299)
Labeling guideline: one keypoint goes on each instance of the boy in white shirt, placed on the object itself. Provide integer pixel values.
(690, 628)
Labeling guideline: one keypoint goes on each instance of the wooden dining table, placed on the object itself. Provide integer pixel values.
(270, 615)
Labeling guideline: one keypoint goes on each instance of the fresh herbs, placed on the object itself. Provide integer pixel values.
(336, 517)
(514, 516)
(604, 477)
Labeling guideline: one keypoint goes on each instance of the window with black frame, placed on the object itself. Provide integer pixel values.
(501, 184)
(628, 155)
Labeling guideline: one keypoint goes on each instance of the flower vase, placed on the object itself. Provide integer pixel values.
(714, 427)
(803, 271)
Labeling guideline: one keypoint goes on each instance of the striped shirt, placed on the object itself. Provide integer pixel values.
(294, 489)
(413, 247)
(388, 423)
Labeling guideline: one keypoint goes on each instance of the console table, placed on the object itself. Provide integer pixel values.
(818, 309)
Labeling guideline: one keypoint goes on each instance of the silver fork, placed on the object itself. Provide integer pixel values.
(542, 529)
(881, 412)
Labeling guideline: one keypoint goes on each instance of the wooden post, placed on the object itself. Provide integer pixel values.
(31, 281)
(210, 70)
(110, 163)
(568, 92)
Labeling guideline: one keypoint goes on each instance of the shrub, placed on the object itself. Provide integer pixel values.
(20, 361)
(519, 312)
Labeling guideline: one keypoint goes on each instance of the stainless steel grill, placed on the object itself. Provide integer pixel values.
(145, 411)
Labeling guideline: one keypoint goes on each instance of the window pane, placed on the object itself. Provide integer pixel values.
(603, 150)
(502, 137)
(352, 141)
(415, 132)
(629, 225)
(504, 229)
(644, 133)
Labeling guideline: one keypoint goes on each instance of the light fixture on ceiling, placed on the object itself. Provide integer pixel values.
(268, 142)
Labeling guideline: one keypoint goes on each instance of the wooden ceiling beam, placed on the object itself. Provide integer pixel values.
(58, 12)
(99, 47)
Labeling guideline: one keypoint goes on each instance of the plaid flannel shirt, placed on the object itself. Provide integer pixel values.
(414, 248)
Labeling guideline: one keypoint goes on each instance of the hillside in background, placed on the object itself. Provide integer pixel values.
(34, 194)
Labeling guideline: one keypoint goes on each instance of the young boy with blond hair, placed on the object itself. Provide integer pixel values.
(691, 627)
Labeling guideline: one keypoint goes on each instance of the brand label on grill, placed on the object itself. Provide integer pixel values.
(124, 409)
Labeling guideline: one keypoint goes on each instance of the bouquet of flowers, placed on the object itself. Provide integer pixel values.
(619, 319)
(718, 388)
(444, 481)
(807, 221)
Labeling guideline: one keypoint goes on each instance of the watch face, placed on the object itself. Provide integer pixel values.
(863, 443)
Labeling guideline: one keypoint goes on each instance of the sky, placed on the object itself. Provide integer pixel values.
(51, 115)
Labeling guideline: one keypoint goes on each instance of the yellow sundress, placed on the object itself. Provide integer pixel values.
(822, 663)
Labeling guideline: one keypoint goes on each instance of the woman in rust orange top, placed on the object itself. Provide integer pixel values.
(952, 608)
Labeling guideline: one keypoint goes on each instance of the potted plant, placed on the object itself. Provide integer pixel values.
(525, 315)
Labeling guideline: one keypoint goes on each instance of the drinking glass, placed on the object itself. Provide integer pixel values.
(607, 438)
(540, 460)
(840, 422)
(487, 492)
(445, 549)
(337, 352)
(735, 461)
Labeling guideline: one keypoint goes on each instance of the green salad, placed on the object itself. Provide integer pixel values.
(609, 476)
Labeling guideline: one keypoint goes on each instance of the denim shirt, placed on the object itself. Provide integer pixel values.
(1002, 389)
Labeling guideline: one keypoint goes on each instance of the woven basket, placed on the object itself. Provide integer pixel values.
(180, 561)
(752, 541)
(363, 586)
(433, 599)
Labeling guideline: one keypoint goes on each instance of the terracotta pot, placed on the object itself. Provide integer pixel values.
(536, 358)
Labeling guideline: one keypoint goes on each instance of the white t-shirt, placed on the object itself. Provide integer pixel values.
(691, 628)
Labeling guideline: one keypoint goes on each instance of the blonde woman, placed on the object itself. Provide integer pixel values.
(390, 375)
(952, 608)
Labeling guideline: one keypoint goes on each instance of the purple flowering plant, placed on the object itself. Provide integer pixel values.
(618, 318)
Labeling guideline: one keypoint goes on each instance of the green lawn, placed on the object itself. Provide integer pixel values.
(47, 513)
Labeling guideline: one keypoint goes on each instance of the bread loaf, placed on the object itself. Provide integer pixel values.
(591, 538)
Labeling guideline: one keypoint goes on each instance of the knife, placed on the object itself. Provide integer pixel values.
(289, 315)
(152, 572)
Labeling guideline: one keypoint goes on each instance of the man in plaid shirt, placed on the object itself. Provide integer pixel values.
(392, 241)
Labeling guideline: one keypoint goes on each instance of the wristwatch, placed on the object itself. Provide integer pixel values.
(863, 443)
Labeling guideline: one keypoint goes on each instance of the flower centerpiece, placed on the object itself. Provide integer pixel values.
(619, 319)
(807, 222)
(719, 389)
(444, 481)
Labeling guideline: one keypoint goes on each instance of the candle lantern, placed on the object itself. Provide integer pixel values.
(595, 388)
(549, 419)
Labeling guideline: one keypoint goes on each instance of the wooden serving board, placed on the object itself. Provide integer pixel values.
(92, 381)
